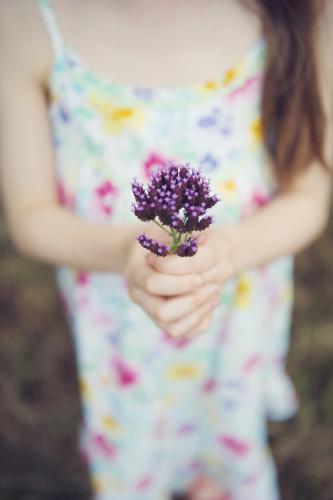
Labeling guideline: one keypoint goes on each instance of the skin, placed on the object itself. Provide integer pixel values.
(38, 226)
(182, 31)
(42, 229)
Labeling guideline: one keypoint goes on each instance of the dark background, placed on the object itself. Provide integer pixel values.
(39, 405)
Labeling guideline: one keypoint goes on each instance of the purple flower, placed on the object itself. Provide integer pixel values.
(176, 199)
(154, 246)
(188, 248)
(204, 223)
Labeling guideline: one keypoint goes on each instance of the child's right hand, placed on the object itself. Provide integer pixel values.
(180, 306)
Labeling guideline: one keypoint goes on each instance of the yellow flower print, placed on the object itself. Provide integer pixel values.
(243, 292)
(53, 97)
(117, 118)
(110, 423)
(184, 371)
(256, 129)
(230, 75)
(84, 388)
(96, 485)
(228, 188)
(106, 483)
(208, 86)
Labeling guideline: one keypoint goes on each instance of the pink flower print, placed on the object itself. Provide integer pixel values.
(252, 479)
(125, 374)
(247, 89)
(235, 445)
(177, 343)
(209, 386)
(64, 197)
(260, 199)
(105, 193)
(223, 335)
(144, 483)
(153, 163)
(251, 363)
(103, 446)
(82, 278)
(102, 319)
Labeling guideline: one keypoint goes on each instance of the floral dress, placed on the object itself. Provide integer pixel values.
(158, 412)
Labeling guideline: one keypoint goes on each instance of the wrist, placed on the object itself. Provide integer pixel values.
(226, 252)
(126, 241)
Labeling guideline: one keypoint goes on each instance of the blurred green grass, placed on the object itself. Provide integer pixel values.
(39, 404)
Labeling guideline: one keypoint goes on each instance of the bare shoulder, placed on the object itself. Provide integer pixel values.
(24, 48)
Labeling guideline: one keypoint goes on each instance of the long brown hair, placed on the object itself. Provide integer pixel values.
(293, 117)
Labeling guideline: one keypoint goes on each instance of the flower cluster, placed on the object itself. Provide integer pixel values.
(152, 245)
(176, 199)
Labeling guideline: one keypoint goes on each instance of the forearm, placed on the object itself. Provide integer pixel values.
(59, 237)
(285, 226)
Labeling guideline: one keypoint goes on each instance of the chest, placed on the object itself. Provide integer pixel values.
(158, 43)
(106, 134)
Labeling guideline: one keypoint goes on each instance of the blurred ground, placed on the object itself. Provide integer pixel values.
(39, 406)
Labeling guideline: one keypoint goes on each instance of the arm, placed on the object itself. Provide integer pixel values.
(297, 217)
(38, 225)
(286, 226)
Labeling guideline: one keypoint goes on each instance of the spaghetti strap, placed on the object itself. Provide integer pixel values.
(52, 27)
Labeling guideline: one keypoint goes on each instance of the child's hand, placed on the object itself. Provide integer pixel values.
(180, 307)
(213, 261)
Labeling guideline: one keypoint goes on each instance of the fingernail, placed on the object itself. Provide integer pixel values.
(213, 289)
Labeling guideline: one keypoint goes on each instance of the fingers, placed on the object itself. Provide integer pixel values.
(193, 323)
(168, 311)
(202, 327)
(150, 303)
(219, 274)
(175, 309)
(213, 261)
(172, 264)
(164, 284)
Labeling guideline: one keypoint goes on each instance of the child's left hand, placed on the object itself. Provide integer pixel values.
(213, 261)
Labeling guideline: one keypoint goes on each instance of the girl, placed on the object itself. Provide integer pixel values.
(181, 361)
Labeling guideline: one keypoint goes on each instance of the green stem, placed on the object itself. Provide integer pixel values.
(162, 227)
(174, 240)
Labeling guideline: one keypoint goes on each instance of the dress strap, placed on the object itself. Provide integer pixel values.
(52, 27)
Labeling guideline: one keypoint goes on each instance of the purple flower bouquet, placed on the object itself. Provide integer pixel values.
(176, 199)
